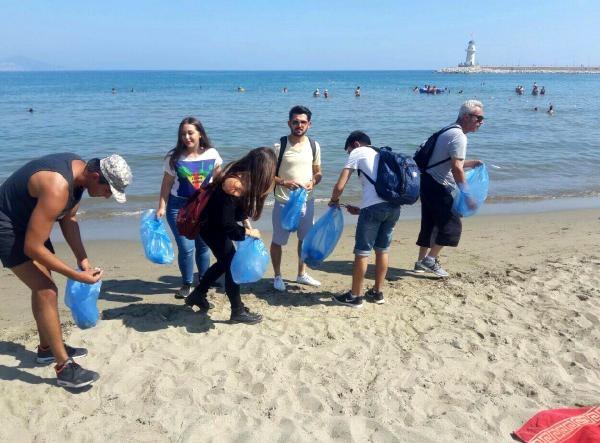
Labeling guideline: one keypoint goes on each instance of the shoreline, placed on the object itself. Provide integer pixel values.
(126, 227)
(512, 332)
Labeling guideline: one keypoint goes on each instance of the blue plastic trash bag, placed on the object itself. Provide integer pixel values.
(478, 181)
(290, 213)
(323, 237)
(82, 299)
(250, 261)
(157, 244)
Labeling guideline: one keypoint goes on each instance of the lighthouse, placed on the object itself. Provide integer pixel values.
(470, 60)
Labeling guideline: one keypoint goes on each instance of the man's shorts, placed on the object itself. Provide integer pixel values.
(12, 245)
(375, 227)
(280, 235)
(439, 223)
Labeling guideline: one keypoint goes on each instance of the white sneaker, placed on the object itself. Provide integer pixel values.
(306, 279)
(278, 283)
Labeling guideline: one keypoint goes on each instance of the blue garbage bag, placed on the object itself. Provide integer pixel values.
(250, 261)
(82, 299)
(478, 181)
(323, 237)
(290, 213)
(157, 244)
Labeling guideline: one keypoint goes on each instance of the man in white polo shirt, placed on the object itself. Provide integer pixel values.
(298, 166)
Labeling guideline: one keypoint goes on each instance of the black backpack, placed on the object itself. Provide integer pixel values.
(425, 151)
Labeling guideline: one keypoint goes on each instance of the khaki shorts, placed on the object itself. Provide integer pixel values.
(280, 235)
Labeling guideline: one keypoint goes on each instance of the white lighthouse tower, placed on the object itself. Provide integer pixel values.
(470, 60)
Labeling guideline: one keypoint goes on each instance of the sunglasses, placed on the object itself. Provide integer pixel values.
(102, 180)
(479, 118)
(299, 123)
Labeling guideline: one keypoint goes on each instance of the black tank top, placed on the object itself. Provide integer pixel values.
(17, 205)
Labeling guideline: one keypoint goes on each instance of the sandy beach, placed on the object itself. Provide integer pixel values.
(515, 330)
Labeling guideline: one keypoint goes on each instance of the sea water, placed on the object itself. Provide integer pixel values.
(531, 156)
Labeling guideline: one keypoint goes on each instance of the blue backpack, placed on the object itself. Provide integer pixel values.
(398, 178)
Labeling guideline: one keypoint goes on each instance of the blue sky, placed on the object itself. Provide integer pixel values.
(307, 35)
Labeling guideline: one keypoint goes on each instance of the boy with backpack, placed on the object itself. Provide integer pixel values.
(376, 218)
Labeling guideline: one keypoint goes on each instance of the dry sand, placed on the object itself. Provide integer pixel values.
(513, 331)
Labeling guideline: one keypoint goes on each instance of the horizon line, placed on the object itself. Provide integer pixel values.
(214, 70)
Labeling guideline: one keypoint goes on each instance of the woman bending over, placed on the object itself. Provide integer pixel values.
(238, 194)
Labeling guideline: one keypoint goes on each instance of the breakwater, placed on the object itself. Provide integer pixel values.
(521, 70)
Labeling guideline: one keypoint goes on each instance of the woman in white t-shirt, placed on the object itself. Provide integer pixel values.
(187, 165)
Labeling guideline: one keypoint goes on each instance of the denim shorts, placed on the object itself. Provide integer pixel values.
(375, 227)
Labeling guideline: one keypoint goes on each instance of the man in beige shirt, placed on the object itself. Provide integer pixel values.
(299, 166)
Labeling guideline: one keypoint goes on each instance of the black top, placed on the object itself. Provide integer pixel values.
(222, 214)
(17, 205)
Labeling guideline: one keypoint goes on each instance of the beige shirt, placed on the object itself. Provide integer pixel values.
(296, 165)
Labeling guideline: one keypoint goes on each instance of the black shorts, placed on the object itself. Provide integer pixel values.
(437, 216)
(12, 244)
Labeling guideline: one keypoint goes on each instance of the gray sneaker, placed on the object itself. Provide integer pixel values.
(71, 375)
(419, 268)
(432, 265)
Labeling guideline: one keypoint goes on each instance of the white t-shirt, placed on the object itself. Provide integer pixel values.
(191, 170)
(297, 164)
(453, 144)
(367, 160)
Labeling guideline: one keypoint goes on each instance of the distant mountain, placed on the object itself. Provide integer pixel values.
(25, 64)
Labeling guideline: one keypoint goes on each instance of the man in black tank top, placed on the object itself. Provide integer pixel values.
(41, 192)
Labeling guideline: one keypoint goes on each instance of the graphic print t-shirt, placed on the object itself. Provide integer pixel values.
(190, 171)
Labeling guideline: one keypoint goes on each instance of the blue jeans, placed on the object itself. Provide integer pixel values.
(185, 246)
(375, 227)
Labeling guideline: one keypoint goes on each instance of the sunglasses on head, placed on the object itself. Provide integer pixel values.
(479, 118)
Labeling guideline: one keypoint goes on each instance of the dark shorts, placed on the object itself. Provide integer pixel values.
(437, 218)
(12, 244)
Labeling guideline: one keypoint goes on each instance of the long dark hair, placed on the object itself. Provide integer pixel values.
(180, 148)
(256, 171)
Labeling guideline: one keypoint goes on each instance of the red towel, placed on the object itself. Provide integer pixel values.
(570, 425)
